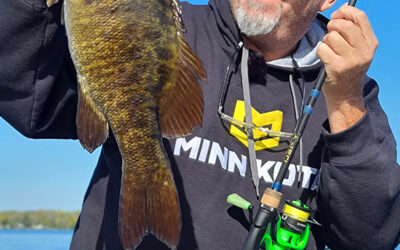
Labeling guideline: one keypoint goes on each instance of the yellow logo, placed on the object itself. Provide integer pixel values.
(271, 120)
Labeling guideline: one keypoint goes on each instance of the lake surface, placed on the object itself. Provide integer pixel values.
(25, 239)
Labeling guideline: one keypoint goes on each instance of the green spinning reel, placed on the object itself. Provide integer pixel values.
(289, 231)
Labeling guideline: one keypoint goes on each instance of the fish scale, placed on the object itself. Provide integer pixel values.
(139, 77)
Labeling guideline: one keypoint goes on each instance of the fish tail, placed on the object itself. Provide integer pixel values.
(149, 208)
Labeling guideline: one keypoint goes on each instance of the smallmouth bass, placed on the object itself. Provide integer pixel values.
(138, 77)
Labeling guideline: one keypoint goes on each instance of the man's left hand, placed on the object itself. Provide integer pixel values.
(347, 51)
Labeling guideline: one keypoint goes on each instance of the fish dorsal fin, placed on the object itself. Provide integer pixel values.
(176, 7)
(92, 126)
(181, 105)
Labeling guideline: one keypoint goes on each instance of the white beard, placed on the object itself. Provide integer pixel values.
(253, 25)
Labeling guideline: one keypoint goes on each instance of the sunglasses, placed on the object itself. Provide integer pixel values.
(242, 125)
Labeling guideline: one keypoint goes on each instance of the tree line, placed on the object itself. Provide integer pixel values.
(56, 219)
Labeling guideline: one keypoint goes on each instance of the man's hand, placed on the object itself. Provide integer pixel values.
(51, 2)
(347, 52)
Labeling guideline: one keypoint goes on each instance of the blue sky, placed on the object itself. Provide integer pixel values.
(54, 174)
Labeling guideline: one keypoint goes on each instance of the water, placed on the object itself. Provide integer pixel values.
(25, 239)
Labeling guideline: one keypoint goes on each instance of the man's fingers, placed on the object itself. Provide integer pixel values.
(350, 32)
(337, 43)
(51, 2)
(359, 18)
(327, 55)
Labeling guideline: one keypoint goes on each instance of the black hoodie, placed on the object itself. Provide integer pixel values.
(350, 179)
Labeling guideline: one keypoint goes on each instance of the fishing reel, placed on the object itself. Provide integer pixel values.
(288, 230)
(292, 229)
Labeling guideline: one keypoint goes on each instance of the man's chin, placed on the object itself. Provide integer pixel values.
(257, 30)
(253, 23)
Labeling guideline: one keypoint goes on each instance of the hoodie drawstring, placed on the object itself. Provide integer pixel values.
(296, 111)
(247, 104)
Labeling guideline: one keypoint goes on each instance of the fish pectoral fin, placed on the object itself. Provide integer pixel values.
(181, 106)
(92, 126)
(151, 209)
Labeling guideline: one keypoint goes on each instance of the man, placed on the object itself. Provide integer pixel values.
(347, 160)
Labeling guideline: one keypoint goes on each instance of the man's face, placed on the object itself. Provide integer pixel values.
(283, 17)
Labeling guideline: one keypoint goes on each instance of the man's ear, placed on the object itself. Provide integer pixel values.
(326, 4)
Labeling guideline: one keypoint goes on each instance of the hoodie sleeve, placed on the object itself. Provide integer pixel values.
(37, 78)
(359, 192)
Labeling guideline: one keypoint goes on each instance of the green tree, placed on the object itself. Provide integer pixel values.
(46, 218)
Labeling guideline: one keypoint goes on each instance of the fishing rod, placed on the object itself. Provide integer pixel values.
(301, 124)
(294, 212)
